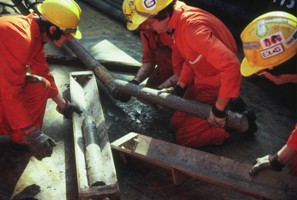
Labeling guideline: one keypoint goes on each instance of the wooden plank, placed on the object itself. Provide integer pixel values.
(84, 93)
(217, 170)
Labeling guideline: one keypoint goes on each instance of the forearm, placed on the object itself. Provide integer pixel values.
(285, 154)
(145, 70)
(281, 79)
(170, 82)
(222, 103)
(60, 101)
(289, 78)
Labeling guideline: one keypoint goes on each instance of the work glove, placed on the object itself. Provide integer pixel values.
(179, 91)
(169, 90)
(176, 90)
(69, 110)
(122, 97)
(216, 117)
(266, 162)
(39, 144)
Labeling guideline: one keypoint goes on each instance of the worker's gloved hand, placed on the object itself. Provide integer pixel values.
(39, 144)
(169, 90)
(69, 110)
(179, 91)
(216, 117)
(122, 97)
(134, 82)
(266, 162)
(176, 90)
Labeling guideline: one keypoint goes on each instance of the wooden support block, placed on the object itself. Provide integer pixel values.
(218, 170)
(84, 93)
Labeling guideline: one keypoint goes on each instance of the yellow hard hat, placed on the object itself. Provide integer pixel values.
(268, 41)
(65, 14)
(137, 11)
(129, 10)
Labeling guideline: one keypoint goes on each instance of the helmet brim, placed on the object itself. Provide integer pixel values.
(77, 34)
(137, 20)
(132, 27)
(247, 70)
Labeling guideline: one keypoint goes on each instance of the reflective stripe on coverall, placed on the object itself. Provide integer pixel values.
(292, 143)
(211, 69)
(22, 104)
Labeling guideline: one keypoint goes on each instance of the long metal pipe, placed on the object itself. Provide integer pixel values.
(234, 120)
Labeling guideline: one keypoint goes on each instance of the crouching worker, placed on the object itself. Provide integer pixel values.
(269, 41)
(161, 62)
(25, 79)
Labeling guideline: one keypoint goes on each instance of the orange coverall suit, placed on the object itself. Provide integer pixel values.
(211, 69)
(22, 100)
(160, 49)
(292, 143)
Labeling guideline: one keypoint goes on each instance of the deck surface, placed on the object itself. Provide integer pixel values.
(22, 176)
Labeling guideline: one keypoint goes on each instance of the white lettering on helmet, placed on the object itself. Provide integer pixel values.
(149, 4)
(273, 51)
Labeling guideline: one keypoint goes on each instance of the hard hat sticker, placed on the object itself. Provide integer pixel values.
(149, 4)
(262, 28)
(275, 50)
(250, 45)
(272, 40)
(291, 40)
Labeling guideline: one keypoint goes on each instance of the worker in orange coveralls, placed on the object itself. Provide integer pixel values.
(25, 80)
(161, 62)
(259, 58)
(210, 73)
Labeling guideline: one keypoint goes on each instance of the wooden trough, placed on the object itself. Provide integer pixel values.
(96, 174)
(186, 162)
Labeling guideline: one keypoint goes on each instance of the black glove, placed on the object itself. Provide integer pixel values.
(39, 144)
(179, 91)
(266, 162)
(69, 109)
(134, 82)
(122, 97)
(216, 117)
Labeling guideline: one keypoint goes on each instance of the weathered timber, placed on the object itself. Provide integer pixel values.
(218, 170)
(84, 93)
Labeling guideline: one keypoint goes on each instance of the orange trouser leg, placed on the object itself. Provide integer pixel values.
(195, 132)
(164, 68)
(35, 99)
